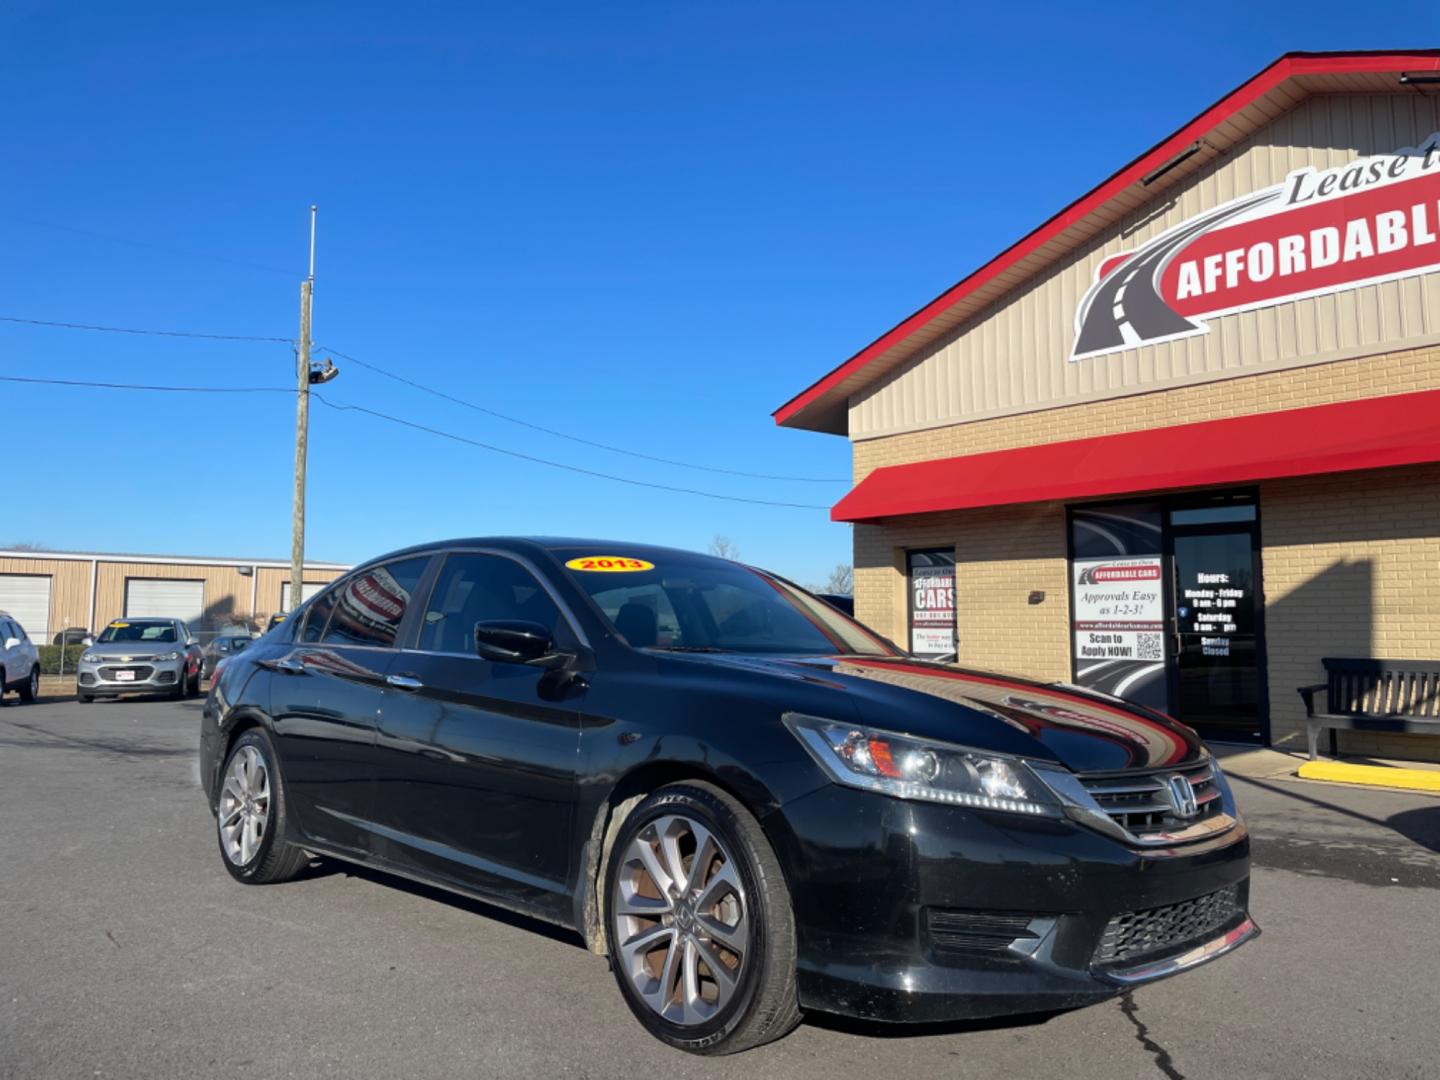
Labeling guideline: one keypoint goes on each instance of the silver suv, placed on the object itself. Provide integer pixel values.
(140, 656)
(19, 661)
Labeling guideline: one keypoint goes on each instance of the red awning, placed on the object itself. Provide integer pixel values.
(1403, 429)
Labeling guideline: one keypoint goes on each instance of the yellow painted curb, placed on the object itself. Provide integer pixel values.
(1375, 775)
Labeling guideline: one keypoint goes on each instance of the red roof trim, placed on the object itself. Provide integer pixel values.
(1288, 66)
(1372, 433)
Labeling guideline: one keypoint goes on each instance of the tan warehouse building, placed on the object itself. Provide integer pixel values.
(50, 591)
(1182, 440)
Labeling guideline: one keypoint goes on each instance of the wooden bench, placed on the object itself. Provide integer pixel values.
(1375, 695)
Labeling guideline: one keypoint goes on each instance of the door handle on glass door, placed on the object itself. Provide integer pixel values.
(404, 682)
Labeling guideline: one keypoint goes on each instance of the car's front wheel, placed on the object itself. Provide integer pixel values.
(699, 923)
(250, 814)
(30, 688)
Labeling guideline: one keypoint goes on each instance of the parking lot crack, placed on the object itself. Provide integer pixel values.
(1163, 1061)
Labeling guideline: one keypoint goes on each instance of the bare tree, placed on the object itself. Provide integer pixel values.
(724, 547)
(24, 545)
(841, 580)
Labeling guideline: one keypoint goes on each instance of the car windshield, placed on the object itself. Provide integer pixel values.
(698, 604)
(139, 631)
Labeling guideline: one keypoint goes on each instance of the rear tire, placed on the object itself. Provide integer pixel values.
(30, 688)
(251, 814)
(701, 945)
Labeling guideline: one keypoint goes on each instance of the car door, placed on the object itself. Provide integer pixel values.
(477, 759)
(326, 695)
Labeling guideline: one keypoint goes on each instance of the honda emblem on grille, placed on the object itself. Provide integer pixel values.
(1182, 797)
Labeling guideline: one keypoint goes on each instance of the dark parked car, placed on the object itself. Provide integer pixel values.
(839, 601)
(220, 647)
(752, 804)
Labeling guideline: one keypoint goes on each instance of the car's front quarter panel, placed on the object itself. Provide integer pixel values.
(239, 698)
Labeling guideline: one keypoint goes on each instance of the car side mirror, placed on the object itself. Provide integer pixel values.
(513, 641)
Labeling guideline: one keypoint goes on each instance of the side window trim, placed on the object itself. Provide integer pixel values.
(437, 568)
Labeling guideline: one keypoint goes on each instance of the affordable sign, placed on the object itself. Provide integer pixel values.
(1320, 231)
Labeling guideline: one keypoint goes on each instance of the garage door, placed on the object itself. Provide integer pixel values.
(165, 598)
(307, 590)
(27, 598)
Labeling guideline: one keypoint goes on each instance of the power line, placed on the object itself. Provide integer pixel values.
(148, 386)
(436, 393)
(340, 407)
(557, 464)
(149, 333)
(574, 438)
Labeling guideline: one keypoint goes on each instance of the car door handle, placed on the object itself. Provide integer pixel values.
(404, 682)
(291, 665)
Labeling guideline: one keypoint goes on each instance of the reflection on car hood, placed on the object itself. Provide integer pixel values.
(1084, 731)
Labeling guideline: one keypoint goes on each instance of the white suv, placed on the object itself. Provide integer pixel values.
(19, 661)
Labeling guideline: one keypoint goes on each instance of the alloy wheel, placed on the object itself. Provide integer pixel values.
(244, 811)
(682, 920)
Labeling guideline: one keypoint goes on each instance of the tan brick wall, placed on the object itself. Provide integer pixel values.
(1351, 562)
(1351, 567)
(1001, 556)
(1321, 384)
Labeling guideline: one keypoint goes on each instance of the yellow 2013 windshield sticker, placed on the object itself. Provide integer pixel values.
(609, 564)
(119, 625)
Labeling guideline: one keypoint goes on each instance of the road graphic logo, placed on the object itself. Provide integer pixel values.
(1319, 231)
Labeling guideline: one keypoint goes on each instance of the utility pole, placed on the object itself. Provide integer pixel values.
(302, 430)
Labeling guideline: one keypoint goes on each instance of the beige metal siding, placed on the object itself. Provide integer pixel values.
(1014, 356)
(270, 587)
(69, 589)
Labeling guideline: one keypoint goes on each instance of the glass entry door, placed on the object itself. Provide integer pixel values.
(1216, 673)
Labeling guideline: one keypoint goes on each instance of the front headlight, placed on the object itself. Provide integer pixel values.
(168, 656)
(90, 658)
(911, 768)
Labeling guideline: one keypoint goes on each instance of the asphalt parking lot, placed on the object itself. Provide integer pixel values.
(127, 951)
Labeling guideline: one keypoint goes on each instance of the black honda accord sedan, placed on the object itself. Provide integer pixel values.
(752, 804)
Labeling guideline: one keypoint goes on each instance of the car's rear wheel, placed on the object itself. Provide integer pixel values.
(30, 688)
(700, 929)
(250, 815)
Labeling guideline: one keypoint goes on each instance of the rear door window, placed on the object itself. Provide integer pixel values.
(370, 605)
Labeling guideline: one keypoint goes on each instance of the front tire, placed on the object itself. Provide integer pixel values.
(699, 923)
(250, 815)
(30, 688)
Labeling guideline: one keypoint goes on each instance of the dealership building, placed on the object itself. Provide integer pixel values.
(50, 591)
(1182, 440)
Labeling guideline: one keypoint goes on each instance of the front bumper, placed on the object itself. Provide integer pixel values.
(145, 676)
(916, 912)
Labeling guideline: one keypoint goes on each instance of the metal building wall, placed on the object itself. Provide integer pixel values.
(1014, 356)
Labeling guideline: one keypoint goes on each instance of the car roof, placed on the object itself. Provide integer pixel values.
(534, 545)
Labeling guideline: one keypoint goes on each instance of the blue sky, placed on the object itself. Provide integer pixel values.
(645, 225)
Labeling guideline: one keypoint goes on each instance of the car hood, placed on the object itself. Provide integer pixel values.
(1084, 731)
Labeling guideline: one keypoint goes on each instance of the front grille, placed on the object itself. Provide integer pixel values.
(977, 933)
(142, 672)
(1133, 935)
(1140, 802)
